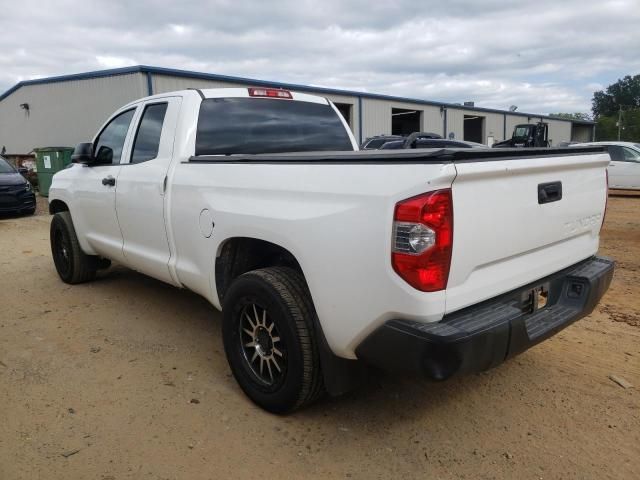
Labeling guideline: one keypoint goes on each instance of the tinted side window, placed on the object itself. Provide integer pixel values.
(377, 143)
(147, 141)
(108, 147)
(615, 152)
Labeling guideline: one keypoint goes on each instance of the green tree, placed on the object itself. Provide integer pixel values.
(625, 92)
(607, 126)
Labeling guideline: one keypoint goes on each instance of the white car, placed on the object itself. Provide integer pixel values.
(324, 259)
(624, 168)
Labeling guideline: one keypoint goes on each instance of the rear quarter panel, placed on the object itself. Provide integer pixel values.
(335, 219)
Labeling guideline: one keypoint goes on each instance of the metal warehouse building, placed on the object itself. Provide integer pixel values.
(69, 109)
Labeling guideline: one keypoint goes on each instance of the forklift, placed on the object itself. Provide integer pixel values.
(527, 135)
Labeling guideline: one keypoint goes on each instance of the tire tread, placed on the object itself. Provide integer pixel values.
(290, 287)
(84, 266)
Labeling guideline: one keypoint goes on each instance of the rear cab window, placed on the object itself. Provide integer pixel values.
(228, 126)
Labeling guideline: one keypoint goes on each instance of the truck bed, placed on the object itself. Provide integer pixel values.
(336, 219)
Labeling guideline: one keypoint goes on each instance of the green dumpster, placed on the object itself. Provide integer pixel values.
(50, 160)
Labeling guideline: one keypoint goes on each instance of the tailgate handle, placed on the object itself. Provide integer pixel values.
(549, 192)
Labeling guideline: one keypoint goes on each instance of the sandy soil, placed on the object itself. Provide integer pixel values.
(126, 378)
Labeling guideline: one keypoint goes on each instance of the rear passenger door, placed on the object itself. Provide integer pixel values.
(140, 198)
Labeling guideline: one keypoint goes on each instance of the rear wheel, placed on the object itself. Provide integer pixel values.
(72, 264)
(269, 339)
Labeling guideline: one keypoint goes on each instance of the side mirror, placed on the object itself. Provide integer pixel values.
(83, 153)
(23, 171)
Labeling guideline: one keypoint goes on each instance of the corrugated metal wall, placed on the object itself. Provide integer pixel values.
(167, 83)
(493, 123)
(493, 126)
(559, 131)
(64, 113)
(455, 123)
(376, 118)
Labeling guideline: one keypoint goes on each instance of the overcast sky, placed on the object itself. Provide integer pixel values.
(543, 56)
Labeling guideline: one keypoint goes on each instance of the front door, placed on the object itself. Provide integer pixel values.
(95, 188)
(140, 199)
(624, 169)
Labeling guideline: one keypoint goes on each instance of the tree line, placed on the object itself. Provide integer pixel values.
(616, 108)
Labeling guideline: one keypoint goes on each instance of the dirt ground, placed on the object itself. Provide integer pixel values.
(126, 377)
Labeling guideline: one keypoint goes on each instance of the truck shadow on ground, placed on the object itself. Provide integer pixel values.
(396, 399)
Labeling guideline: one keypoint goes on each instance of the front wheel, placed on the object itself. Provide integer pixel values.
(72, 264)
(269, 339)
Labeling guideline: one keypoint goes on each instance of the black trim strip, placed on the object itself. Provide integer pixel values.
(409, 156)
(199, 92)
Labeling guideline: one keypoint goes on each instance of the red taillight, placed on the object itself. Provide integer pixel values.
(423, 240)
(270, 93)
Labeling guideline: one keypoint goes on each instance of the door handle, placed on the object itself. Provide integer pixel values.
(549, 192)
(109, 181)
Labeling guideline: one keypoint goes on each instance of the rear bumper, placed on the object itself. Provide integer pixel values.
(482, 336)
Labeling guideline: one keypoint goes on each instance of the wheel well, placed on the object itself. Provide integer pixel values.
(57, 206)
(240, 255)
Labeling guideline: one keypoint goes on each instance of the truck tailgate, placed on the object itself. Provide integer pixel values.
(512, 226)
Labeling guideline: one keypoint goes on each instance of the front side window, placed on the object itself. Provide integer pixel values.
(631, 155)
(108, 146)
(228, 126)
(147, 141)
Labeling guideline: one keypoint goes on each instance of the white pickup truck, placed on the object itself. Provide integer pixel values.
(324, 260)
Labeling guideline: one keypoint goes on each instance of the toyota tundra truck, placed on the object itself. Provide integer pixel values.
(325, 260)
